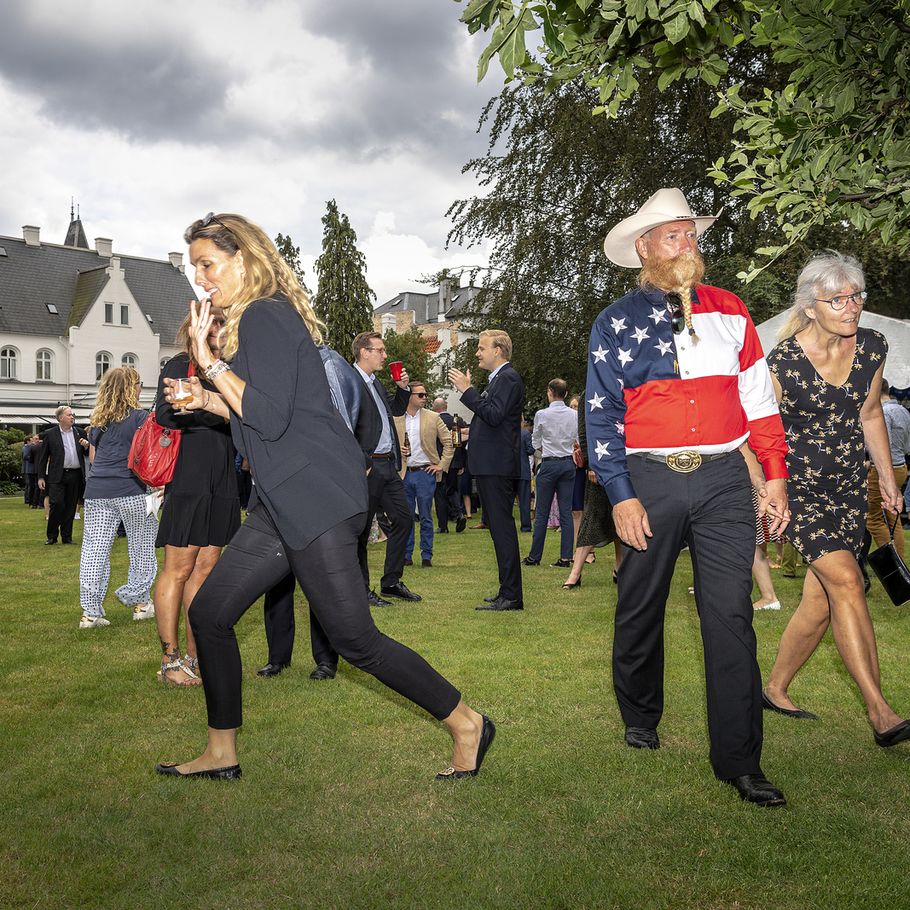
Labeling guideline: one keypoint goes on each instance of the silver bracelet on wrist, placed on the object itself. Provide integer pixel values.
(216, 369)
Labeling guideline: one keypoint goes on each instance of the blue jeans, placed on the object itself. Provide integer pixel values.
(420, 488)
(554, 477)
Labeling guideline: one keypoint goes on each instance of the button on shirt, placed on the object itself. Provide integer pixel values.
(555, 430)
(71, 459)
(897, 420)
(418, 458)
(384, 446)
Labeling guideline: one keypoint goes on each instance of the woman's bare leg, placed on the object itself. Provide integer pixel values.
(578, 563)
(205, 561)
(761, 572)
(179, 563)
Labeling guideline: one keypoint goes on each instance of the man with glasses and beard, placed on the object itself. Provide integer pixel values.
(677, 383)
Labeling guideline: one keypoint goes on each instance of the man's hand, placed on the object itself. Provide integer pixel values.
(84, 443)
(433, 468)
(773, 503)
(461, 381)
(405, 381)
(631, 522)
(41, 483)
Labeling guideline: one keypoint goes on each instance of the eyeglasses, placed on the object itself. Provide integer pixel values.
(419, 394)
(376, 350)
(208, 219)
(677, 318)
(839, 302)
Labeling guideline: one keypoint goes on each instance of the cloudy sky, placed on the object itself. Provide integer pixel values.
(153, 112)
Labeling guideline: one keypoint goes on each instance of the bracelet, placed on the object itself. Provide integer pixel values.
(216, 369)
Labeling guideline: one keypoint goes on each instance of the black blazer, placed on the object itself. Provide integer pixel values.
(308, 467)
(395, 406)
(53, 453)
(527, 450)
(495, 440)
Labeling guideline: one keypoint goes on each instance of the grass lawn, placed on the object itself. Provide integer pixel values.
(338, 806)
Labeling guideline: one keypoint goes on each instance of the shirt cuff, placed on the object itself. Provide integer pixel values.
(775, 468)
(620, 489)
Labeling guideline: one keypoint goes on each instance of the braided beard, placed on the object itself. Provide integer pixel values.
(676, 274)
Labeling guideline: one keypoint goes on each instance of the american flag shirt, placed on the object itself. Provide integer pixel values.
(649, 390)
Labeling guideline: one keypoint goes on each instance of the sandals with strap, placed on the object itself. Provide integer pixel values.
(173, 666)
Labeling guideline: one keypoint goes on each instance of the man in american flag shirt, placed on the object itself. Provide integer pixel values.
(677, 383)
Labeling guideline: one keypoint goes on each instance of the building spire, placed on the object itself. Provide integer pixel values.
(75, 234)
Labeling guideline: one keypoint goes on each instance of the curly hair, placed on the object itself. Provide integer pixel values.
(118, 394)
(265, 273)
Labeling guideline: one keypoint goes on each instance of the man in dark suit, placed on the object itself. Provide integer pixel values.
(494, 456)
(524, 480)
(62, 458)
(448, 502)
(386, 489)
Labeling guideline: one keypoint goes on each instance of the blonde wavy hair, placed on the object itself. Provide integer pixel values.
(265, 273)
(118, 394)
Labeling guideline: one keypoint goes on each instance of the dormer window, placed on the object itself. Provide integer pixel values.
(52, 309)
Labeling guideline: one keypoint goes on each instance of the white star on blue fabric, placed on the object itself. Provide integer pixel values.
(600, 355)
(620, 428)
(601, 449)
(625, 356)
(640, 334)
(596, 401)
(664, 347)
(618, 324)
(657, 315)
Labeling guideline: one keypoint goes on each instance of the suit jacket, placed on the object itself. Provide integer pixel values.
(52, 454)
(395, 407)
(308, 467)
(495, 441)
(527, 450)
(433, 433)
(448, 420)
(353, 401)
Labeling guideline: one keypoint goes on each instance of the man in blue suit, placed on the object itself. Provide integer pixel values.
(494, 456)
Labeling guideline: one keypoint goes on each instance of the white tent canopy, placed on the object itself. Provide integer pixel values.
(896, 331)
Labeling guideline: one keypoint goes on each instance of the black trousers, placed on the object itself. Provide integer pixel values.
(278, 613)
(252, 563)
(711, 511)
(386, 494)
(63, 496)
(31, 489)
(524, 503)
(498, 495)
(448, 502)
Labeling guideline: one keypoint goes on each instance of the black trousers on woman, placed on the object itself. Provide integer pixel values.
(329, 574)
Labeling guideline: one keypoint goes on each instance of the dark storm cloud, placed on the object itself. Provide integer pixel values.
(148, 85)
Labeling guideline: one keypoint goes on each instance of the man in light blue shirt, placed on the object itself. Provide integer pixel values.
(555, 432)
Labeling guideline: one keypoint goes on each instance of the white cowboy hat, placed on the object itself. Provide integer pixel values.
(665, 205)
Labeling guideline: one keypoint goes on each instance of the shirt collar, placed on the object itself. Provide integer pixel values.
(558, 403)
(367, 377)
(496, 371)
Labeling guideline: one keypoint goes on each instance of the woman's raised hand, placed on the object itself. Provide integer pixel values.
(201, 320)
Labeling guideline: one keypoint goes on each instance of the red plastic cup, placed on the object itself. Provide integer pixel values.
(395, 368)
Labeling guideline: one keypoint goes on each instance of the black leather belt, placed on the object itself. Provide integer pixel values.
(382, 455)
(72, 469)
(682, 462)
(422, 467)
(556, 458)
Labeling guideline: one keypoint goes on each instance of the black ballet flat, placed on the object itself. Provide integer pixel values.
(486, 738)
(232, 772)
(798, 713)
(895, 735)
(569, 585)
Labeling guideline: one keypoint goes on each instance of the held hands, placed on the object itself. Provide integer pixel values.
(772, 501)
(461, 381)
(200, 395)
(631, 522)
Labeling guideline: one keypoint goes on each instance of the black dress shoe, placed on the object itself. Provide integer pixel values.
(409, 562)
(487, 733)
(460, 524)
(323, 671)
(442, 530)
(756, 788)
(401, 591)
(489, 600)
(49, 542)
(232, 772)
(376, 601)
(893, 736)
(426, 563)
(67, 541)
(271, 669)
(501, 603)
(561, 564)
(527, 561)
(642, 738)
(769, 705)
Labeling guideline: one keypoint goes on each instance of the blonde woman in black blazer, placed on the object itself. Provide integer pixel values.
(311, 485)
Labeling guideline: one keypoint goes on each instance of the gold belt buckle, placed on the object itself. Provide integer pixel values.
(684, 462)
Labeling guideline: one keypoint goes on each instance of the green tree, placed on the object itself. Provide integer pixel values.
(826, 145)
(411, 349)
(344, 299)
(291, 255)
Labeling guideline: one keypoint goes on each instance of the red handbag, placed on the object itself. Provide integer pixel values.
(154, 450)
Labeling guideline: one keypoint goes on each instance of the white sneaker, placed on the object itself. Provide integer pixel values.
(77, 516)
(92, 622)
(774, 605)
(144, 611)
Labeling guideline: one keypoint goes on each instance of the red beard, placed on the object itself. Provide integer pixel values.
(675, 274)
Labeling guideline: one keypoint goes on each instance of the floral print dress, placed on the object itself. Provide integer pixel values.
(827, 486)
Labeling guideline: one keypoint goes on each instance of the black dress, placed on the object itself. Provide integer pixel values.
(827, 487)
(201, 503)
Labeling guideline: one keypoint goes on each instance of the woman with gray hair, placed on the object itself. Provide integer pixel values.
(827, 373)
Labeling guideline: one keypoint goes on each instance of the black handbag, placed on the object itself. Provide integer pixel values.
(890, 569)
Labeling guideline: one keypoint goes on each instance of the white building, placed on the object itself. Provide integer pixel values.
(68, 313)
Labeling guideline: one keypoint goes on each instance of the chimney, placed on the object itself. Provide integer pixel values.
(115, 262)
(176, 261)
(445, 296)
(104, 246)
(30, 235)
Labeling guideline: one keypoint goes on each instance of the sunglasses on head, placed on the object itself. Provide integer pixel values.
(208, 219)
(677, 318)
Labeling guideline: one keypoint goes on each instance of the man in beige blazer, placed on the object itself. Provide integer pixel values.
(419, 431)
